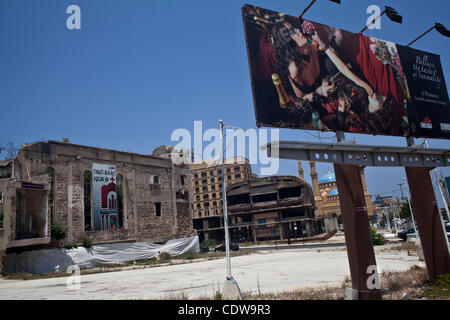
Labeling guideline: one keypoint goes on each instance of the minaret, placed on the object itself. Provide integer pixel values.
(315, 183)
(300, 170)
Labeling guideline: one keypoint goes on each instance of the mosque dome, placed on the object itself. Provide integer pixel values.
(329, 177)
(333, 192)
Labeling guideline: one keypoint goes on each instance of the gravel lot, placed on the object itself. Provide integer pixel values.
(264, 271)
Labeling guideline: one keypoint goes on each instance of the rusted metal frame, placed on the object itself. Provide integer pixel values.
(365, 155)
(347, 160)
(358, 239)
(426, 214)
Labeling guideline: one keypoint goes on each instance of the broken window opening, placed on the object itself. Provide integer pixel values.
(207, 209)
(290, 192)
(51, 195)
(239, 199)
(87, 200)
(1, 210)
(5, 171)
(119, 189)
(264, 197)
(158, 209)
(31, 217)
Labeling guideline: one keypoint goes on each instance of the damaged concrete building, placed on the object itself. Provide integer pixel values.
(56, 180)
(269, 208)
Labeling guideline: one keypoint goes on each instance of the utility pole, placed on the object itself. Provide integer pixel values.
(12, 151)
(410, 209)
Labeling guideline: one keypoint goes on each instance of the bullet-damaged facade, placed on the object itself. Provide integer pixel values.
(53, 181)
(272, 208)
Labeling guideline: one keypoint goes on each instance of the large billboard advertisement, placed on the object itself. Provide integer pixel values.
(429, 106)
(308, 75)
(104, 196)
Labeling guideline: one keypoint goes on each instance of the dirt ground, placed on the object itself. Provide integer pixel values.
(268, 272)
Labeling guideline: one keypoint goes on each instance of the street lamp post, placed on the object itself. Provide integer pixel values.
(224, 200)
(230, 289)
(410, 208)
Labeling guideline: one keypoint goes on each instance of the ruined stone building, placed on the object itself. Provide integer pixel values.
(143, 197)
(326, 196)
(270, 208)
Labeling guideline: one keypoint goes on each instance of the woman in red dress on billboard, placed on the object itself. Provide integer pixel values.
(306, 63)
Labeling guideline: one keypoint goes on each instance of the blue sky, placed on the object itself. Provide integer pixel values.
(139, 69)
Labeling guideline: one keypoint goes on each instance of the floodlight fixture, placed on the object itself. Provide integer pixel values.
(442, 30)
(393, 15)
(439, 27)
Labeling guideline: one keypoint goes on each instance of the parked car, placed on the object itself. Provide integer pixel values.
(407, 233)
(233, 247)
(447, 230)
(204, 248)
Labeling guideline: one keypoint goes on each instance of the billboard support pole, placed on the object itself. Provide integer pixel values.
(361, 256)
(440, 190)
(429, 221)
(426, 212)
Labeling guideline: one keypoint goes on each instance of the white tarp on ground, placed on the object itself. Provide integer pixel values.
(57, 260)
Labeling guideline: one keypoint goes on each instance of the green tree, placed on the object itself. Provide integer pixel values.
(377, 238)
(58, 231)
(405, 213)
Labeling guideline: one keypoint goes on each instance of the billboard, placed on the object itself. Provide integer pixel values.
(104, 196)
(307, 75)
(428, 107)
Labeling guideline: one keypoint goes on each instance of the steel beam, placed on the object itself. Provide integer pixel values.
(358, 239)
(365, 155)
(347, 158)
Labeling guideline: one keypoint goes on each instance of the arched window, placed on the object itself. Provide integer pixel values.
(51, 172)
(87, 200)
(119, 184)
(154, 179)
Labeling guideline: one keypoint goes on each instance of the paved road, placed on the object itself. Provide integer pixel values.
(271, 271)
(293, 246)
